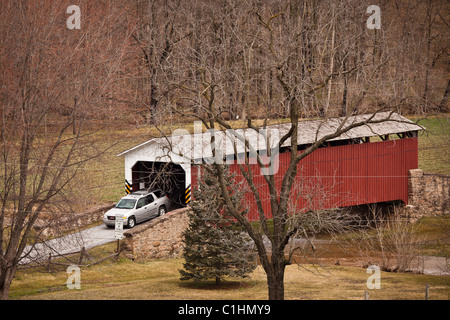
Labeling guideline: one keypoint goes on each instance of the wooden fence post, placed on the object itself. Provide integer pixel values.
(81, 256)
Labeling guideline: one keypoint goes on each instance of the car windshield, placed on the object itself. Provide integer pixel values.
(126, 204)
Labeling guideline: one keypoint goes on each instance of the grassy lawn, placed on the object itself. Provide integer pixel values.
(159, 280)
(435, 232)
(434, 145)
(103, 181)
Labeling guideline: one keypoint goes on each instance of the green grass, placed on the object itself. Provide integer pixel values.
(159, 280)
(435, 232)
(434, 145)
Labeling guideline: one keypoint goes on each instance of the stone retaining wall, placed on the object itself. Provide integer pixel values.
(59, 223)
(159, 238)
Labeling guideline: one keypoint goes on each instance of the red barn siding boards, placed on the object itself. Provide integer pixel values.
(341, 176)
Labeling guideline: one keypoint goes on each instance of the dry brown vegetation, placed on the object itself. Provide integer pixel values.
(159, 280)
(163, 63)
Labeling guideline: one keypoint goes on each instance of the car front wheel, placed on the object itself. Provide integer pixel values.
(131, 222)
(162, 211)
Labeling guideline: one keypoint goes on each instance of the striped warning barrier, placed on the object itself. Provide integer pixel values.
(187, 194)
(127, 187)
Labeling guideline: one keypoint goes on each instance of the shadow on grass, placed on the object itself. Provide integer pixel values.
(212, 285)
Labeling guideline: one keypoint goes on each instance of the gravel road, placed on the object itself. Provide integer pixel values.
(88, 238)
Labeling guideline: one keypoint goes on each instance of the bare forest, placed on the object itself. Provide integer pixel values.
(165, 63)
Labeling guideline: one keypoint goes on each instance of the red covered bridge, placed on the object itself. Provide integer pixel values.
(367, 164)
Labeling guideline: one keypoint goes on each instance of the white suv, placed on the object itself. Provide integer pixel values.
(137, 207)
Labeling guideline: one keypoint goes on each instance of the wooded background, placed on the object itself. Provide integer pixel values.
(172, 52)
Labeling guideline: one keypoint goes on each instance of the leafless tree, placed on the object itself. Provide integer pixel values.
(45, 67)
(159, 29)
(292, 43)
(212, 61)
(390, 240)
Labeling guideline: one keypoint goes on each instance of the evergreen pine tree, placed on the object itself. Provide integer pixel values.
(214, 245)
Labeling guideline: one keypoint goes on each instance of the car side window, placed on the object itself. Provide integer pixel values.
(141, 202)
(149, 198)
(158, 194)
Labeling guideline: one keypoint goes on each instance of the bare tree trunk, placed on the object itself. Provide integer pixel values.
(443, 104)
(345, 91)
(292, 43)
(275, 277)
(333, 32)
(44, 75)
(6, 275)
